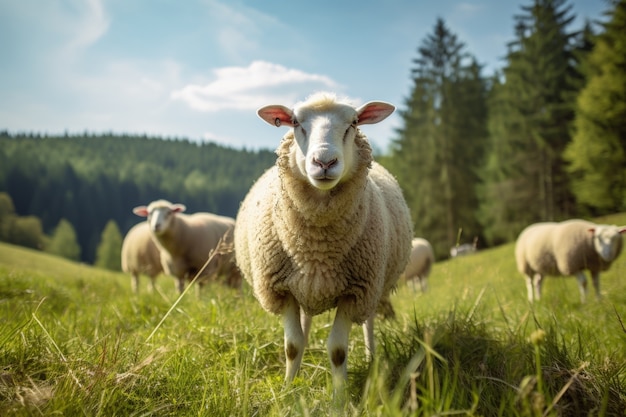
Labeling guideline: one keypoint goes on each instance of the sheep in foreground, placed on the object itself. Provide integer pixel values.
(140, 255)
(325, 227)
(420, 263)
(564, 249)
(186, 241)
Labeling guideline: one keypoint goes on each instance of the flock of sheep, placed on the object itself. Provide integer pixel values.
(328, 228)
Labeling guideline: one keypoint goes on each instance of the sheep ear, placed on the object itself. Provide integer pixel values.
(276, 115)
(141, 211)
(374, 112)
(178, 208)
(591, 230)
(622, 229)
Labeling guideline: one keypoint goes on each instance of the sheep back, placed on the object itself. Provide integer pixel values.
(352, 244)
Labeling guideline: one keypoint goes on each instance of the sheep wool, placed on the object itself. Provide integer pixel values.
(185, 242)
(564, 249)
(346, 245)
(420, 263)
(140, 255)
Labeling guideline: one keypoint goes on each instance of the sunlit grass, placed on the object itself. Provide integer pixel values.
(75, 341)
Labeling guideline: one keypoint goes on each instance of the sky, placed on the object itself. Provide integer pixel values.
(199, 69)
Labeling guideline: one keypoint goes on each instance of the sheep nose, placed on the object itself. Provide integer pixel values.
(324, 165)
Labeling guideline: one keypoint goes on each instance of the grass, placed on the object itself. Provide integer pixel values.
(75, 341)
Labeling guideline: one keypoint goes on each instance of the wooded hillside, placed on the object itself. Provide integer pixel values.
(91, 179)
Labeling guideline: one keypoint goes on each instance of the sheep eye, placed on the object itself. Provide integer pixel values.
(295, 123)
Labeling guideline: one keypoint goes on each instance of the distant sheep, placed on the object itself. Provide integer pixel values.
(140, 255)
(185, 242)
(464, 249)
(566, 248)
(325, 227)
(420, 263)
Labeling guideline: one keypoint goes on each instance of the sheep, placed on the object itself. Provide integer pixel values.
(464, 249)
(420, 263)
(186, 241)
(140, 255)
(564, 249)
(325, 227)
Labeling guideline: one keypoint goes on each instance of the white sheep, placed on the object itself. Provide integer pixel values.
(185, 242)
(420, 263)
(325, 227)
(140, 255)
(564, 249)
(464, 249)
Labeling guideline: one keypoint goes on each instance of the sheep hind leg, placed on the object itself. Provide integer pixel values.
(305, 322)
(582, 286)
(294, 339)
(537, 281)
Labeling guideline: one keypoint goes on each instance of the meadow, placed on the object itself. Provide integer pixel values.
(74, 340)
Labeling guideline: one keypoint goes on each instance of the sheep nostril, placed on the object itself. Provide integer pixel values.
(325, 165)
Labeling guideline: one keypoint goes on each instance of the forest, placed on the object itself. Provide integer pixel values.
(477, 157)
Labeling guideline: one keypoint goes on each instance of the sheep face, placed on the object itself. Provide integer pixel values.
(607, 241)
(325, 130)
(160, 214)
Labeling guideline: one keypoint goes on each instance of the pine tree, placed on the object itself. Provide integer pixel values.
(597, 154)
(439, 148)
(63, 241)
(110, 247)
(531, 112)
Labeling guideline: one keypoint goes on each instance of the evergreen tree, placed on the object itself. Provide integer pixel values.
(440, 146)
(63, 241)
(530, 116)
(597, 154)
(110, 248)
(7, 216)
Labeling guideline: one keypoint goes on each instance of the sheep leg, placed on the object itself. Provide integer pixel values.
(368, 336)
(537, 281)
(305, 322)
(294, 338)
(582, 286)
(338, 346)
(595, 279)
(530, 289)
(134, 282)
(152, 285)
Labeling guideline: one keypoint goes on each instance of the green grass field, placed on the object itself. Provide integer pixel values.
(75, 341)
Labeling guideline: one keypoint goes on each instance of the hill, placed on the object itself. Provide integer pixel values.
(76, 341)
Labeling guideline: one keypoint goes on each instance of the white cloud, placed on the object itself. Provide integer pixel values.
(244, 88)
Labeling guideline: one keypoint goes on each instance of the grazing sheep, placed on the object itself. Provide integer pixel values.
(186, 241)
(325, 227)
(420, 263)
(464, 249)
(140, 255)
(566, 248)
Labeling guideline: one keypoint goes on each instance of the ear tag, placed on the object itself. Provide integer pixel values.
(277, 122)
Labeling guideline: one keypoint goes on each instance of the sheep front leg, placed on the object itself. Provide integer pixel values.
(134, 283)
(338, 346)
(294, 338)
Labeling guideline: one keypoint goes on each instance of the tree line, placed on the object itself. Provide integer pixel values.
(477, 157)
(89, 180)
(543, 139)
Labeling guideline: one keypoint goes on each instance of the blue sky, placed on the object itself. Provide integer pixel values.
(199, 69)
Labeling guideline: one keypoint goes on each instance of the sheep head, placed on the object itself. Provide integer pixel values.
(159, 214)
(325, 131)
(607, 241)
